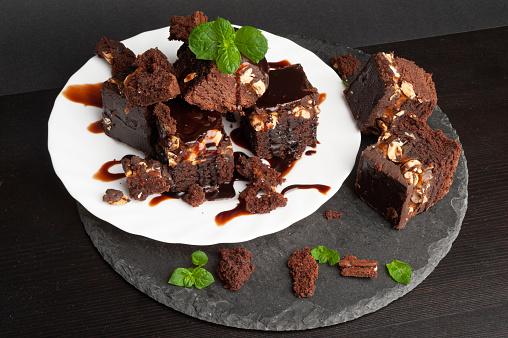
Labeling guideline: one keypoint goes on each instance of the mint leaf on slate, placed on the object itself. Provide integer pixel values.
(203, 42)
(199, 258)
(198, 276)
(324, 255)
(202, 278)
(251, 43)
(400, 271)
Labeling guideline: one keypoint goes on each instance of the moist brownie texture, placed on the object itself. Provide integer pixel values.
(263, 178)
(354, 267)
(345, 65)
(234, 267)
(386, 88)
(153, 80)
(117, 55)
(204, 85)
(181, 26)
(195, 196)
(407, 171)
(284, 120)
(145, 177)
(304, 270)
(115, 197)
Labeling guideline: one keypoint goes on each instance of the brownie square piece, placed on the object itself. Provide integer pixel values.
(283, 122)
(204, 85)
(193, 143)
(386, 88)
(407, 171)
(132, 126)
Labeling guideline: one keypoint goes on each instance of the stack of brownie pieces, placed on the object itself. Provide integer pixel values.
(411, 166)
(173, 114)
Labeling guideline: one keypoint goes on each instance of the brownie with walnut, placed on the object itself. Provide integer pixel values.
(386, 88)
(407, 171)
(283, 122)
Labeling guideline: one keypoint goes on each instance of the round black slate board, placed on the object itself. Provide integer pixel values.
(266, 301)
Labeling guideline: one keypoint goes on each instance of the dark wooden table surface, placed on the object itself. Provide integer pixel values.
(54, 282)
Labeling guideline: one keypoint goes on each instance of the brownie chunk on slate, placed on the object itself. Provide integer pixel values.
(145, 177)
(283, 122)
(181, 26)
(331, 214)
(354, 267)
(117, 55)
(115, 197)
(234, 267)
(263, 179)
(195, 196)
(204, 85)
(345, 65)
(304, 270)
(386, 88)
(153, 80)
(407, 171)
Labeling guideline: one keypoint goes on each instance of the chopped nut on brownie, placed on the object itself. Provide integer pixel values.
(304, 270)
(234, 267)
(345, 65)
(354, 267)
(331, 214)
(195, 196)
(115, 197)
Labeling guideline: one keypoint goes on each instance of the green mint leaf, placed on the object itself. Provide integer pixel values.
(199, 258)
(228, 59)
(223, 30)
(178, 276)
(400, 271)
(345, 83)
(251, 43)
(203, 42)
(324, 255)
(202, 278)
(189, 281)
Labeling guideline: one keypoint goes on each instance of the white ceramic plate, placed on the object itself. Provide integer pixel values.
(77, 154)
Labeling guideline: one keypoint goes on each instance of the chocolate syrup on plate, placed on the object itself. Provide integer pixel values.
(87, 94)
(310, 152)
(322, 98)
(105, 176)
(319, 187)
(96, 127)
(239, 139)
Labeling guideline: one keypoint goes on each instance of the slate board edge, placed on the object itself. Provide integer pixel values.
(370, 305)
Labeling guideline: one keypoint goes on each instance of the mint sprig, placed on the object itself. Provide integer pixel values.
(324, 255)
(198, 276)
(219, 41)
(400, 271)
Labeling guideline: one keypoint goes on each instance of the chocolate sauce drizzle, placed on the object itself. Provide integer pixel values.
(96, 127)
(104, 175)
(87, 94)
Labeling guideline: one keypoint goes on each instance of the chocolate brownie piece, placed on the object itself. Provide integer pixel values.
(117, 55)
(234, 267)
(263, 179)
(283, 122)
(354, 267)
(331, 214)
(193, 143)
(195, 195)
(204, 85)
(181, 26)
(345, 65)
(407, 171)
(145, 177)
(115, 197)
(304, 270)
(386, 88)
(153, 80)
(133, 126)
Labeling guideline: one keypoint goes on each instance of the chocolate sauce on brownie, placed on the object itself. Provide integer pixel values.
(87, 94)
(238, 138)
(279, 64)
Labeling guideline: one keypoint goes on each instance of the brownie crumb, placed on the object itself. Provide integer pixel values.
(345, 65)
(354, 267)
(115, 197)
(181, 26)
(304, 270)
(331, 214)
(195, 196)
(234, 267)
